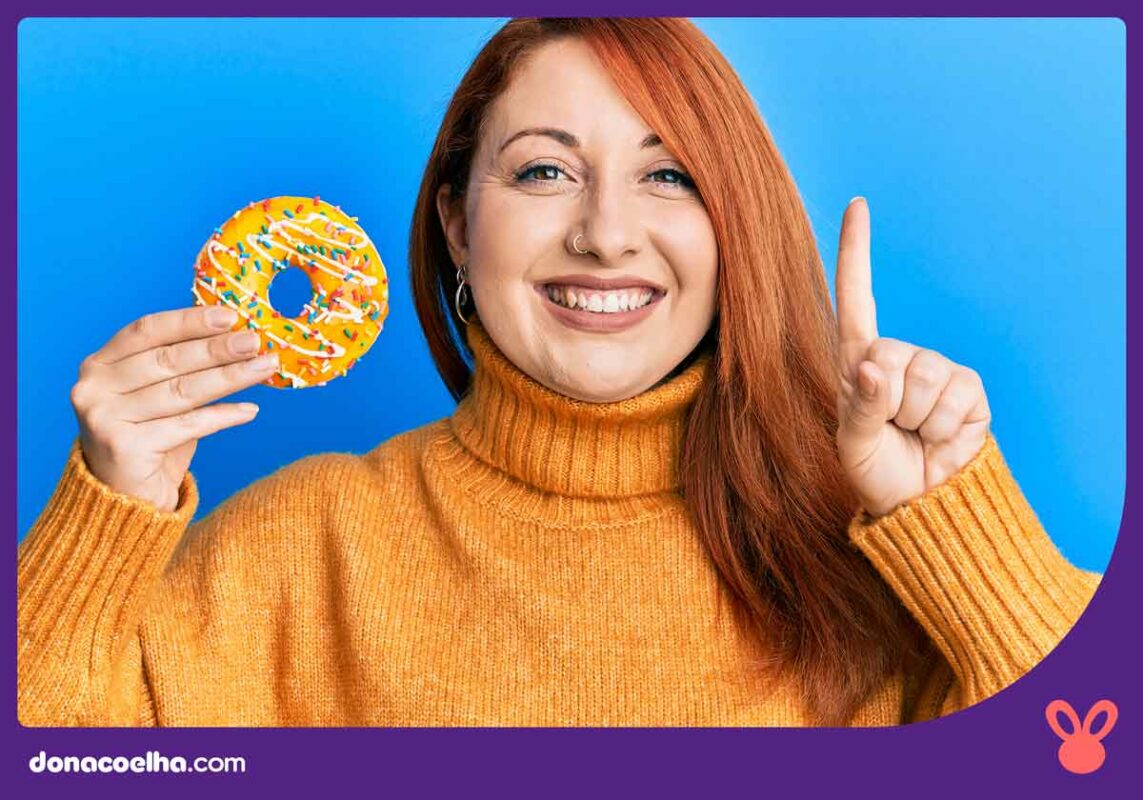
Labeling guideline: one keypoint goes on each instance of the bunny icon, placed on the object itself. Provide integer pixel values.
(1081, 751)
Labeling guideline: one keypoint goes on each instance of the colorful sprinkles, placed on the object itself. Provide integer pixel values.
(350, 300)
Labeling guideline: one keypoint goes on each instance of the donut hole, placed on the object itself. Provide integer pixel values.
(289, 292)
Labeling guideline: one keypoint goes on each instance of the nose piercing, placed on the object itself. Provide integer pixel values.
(575, 244)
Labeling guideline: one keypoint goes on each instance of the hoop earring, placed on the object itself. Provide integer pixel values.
(575, 245)
(461, 289)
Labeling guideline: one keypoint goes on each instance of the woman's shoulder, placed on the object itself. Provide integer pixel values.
(314, 497)
(404, 450)
(331, 479)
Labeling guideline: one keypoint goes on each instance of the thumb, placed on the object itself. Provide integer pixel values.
(868, 409)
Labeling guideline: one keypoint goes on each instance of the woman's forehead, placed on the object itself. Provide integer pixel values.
(563, 87)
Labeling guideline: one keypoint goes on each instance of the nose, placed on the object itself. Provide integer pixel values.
(612, 228)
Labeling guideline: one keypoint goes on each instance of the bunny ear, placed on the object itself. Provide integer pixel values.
(1112, 715)
(1057, 706)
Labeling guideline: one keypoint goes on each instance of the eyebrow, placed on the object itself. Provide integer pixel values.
(568, 139)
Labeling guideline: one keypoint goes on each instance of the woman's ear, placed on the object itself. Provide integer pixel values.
(451, 211)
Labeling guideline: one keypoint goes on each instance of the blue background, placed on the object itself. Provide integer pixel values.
(992, 153)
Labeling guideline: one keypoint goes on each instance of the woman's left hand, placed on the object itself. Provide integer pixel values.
(918, 417)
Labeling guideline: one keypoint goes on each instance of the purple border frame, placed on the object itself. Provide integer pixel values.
(1002, 745)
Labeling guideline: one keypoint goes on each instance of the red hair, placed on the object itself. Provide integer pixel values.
(759, 464)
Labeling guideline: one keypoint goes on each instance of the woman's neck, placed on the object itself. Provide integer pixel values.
(568, 446)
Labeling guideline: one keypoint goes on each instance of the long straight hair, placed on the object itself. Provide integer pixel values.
(759, 467)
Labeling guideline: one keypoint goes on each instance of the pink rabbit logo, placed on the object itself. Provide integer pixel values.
(1082, 751)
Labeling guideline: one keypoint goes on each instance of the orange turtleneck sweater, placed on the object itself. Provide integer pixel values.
(526, 561)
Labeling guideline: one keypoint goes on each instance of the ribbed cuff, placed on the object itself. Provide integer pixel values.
(971, 561)
(88, 564)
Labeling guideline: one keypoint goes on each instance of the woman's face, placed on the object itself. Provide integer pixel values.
(597, 171)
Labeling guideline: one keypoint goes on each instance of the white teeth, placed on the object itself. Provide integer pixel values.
(600, 302)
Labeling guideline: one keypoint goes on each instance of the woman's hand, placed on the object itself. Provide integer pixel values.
(908, 418)
(140, 399)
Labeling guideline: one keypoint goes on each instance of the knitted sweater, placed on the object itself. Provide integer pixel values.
(526, 561)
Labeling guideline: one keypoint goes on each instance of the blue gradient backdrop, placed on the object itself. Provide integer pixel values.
(992, 154)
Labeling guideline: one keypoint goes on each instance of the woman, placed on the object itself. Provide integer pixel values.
(695, 498)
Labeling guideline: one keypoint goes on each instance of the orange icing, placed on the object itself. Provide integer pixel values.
(344, 316)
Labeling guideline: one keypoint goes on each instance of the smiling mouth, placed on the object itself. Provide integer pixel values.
(618, 301)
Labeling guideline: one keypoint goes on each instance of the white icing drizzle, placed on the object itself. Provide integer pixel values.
(344, 273)
(296, 380)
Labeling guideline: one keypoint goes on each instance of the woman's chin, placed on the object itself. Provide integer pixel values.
(600, 386)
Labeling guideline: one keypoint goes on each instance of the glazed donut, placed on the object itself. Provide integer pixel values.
(350, 301)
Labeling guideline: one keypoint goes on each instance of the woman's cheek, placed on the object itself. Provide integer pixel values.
(517, 230)
(692, 252)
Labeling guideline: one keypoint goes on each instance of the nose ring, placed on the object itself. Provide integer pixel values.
(575, 244)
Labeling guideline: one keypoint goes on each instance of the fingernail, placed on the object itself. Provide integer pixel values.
(245, 343)
(263, 362)
(219, 317)
(248, 408)
(855, 199)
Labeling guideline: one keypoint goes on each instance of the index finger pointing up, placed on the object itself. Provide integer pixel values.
(856, 312)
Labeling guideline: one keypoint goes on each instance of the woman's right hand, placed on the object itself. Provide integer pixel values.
(141, 398)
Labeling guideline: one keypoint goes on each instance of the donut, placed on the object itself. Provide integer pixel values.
(350, 300)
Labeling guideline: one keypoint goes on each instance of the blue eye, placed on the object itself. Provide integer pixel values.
(531, 175)
(679, 178)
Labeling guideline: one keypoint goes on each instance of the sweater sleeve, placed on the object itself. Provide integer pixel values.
(84, 574)
(972, 563)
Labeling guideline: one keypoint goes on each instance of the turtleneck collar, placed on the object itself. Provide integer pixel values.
(571, 447)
